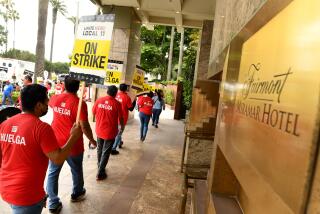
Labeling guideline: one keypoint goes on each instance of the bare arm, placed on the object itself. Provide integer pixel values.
(121, 123)
(60, 155)
(86, 129)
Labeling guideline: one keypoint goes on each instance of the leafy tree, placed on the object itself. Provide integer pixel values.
(154, 52)
(8, 13)
(3, 36)
(19, 54)
(15, 16)
(73, 19)
(57, 67)
(57, 6)
(155, 48)
(189, 63)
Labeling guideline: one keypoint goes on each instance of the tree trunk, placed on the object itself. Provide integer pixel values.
(40, 49)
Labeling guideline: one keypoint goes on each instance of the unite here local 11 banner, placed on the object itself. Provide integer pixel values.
(91, 48)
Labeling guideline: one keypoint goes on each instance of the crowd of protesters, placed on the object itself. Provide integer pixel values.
(29, 146)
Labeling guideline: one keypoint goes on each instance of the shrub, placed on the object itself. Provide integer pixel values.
(15, 96)
(169, 97)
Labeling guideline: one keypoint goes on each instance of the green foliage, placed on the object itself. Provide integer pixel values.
(8, 12)
(3, 36)
(57, 67)
(169, 97)
(155, 45)
(19, 54)
(171, 82)
(155, 48)
(15, 96)
(189, 63)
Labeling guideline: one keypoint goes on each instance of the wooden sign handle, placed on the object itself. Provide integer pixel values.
(83, 85)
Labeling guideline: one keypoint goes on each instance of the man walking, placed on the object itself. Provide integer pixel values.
(126, 106)
(65, 108)
(108, 112)
(7, 93)
(26, 144)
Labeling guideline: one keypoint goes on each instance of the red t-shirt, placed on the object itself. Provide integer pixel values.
(65, 107)
(126, 103)
(24, 142)
(145, 105)
(107, 111)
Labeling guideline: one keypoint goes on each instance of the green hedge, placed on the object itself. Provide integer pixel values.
(15, 96)
(169, 97)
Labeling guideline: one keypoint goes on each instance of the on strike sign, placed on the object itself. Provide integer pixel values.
(89, 61)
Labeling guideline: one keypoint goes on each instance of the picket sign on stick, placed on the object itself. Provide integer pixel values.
(83, 85)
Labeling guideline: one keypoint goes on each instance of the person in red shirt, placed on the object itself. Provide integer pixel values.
(107, 111)
(126, 106)
(26, 144)
(145, 105)
(59, 88)
(65, 107)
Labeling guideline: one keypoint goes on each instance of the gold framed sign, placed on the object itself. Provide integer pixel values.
(269, 118)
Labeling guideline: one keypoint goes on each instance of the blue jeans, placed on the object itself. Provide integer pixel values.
(104, 148)
(117, 140)
(4, 97)
(32, 209)
(155, 116)
(75, 163)
(144, 122)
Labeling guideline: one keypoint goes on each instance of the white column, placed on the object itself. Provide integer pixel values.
(170, 55)
(180, 53)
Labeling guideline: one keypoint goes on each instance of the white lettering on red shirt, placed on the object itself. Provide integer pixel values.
(105, 106)
(62, 111)
(11, 138)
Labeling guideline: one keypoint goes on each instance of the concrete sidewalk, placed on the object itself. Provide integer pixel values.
(143, 178)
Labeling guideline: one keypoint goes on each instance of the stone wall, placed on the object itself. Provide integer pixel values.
(125, 44)
(230, 17)
(204, 50)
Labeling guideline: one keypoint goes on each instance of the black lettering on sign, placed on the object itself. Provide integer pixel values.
(90, 47)
(111, 79)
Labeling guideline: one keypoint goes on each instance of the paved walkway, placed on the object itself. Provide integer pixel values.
(144, 178)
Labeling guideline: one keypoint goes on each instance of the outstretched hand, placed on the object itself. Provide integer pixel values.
(76, 130)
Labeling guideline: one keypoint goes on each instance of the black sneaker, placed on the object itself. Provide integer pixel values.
(156, 126)
(120, 145)
(101, 177)
(78, 197)
(57, 209)
(114, 152)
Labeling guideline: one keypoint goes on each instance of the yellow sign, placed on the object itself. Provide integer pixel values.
(138, 78)
(91, 48)
(91, 55)
(113, 77)
(147, 87)
(114, 72)
(269, 119)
